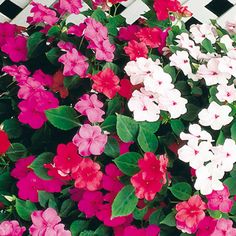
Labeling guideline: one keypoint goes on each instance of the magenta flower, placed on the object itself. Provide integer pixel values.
(90, 140)
(42, 78)
(21, 73)
(16, 48)
(151, 230)
(42, 14)
(71, 6)
(7, 31)
(206, 226)
(46, 223)
(11, 228)
(77, 29)
(74, 63)
(90, 106)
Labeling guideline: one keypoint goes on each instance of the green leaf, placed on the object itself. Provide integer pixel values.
(112, 148)
(171, 71)
(38, 165)
(114, 105)
(127, 128)
(99, 15)
(66, 207)
(192, 112)
(109, 124)
(177, 126)
(150, 126)
(54, 31)
(221, 138)
(53, 55)
(102, 230)
(181, 190)
(215, 214)
(13, 128)
(128, 163)
(233, 131)
(138, 214)
(72, 82)
(169, 220)
(24, 209)
(63, 117)
(125, 202)
(6, 181)
(44, 198)
(147, 140)
(206, 43)
(16, 151)
(36, 44)
(78, 226)
(87, 233)
(114, 23)
(230, 182)
(112, 66)
(156, 217)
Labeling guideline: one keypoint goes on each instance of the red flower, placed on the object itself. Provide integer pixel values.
(106, 82)
(87, 175)
(128, 33)
(135, 50)
(189, 214)
(5, 143)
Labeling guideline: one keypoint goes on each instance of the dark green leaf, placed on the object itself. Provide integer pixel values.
(230, 182)
(66, 207)
(16, 151)
(192, 112)
(99, 15)
(177, 126)
(53, 55)
(13, 128)
(109, 124)
(24, 209)
(150, 126)
(78, 226)
(181, 190)
(54, 31)
(114, 105)
(138, 214)
(156, 217)
(44, 198)
(207, 44)
(169, 220)
(233, 131)
(36, 44)
(112, 147)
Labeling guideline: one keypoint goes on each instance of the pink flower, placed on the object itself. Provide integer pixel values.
(20, 73)
(151, 230)
(90, 203)
(189, 214)
(44, 79)
(42, 14)
(7, 31)
(32, 109)
(90, 140)
(90, 106)
(87, 175)
(72, 6)
(224, 227)
(47, 223)
(11, 228)
(65, 46)
(128, 33)
(219, 200)
(77, 29)
(135, 49)
(16, 48)
(206, 226)
(74, 63)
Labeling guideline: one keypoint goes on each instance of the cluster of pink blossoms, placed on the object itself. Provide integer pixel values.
(36, 99)
(11, 228)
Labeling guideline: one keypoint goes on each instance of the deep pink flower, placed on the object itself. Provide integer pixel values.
(128, 33)
(5, 143)
(46, 223)
(77, 29)
(219, 200)
(76, 194)
(16, 48)
(74, 63)
(151, 230)
(90, 203)
(87, 175)
(224, 227)
(71, 6)
(189, 214)
(42, 14)
(135, 49)
(90, 140)
(91, 107)
(11, 228)
(32, 109)
(21, 73)
(65, 46)
(7, 31)
(44, 79)
(206, 226)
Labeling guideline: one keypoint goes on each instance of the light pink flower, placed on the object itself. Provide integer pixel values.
(224, 227)
(74, 63)
(90, 106)
(90, 140)
(16, 48)
(71, 6)
(226, 93)
(20, 73)
(11, 228)
(219, 200)
(46, 223)
(42, 14)
(7, 31)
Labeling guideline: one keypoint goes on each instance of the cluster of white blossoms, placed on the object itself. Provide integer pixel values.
(210, 162)
(157, 91)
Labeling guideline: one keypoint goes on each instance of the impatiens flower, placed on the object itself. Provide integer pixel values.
(74, 63)
(219, 200)
(71, 6)
(11, 228)
(87, 175)
(21, 73)
(181, 60)
(90, 203)
(151, 230)
(206, 226)
(227, 65)
(227, 41)
(226, 93)
(231, 25)
(224, 227)
(5, 143)
(46, 223)
(91, 107)
(189, 214)
(41, 77)
(43, 14)
(215, 116)
(90, 140)
(77, 29)
(7, 31)
(135, 49)
(126, 88)
(106, 82)
(128, 33)
(16, 48)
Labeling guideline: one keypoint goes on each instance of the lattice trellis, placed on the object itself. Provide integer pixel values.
(16, 11)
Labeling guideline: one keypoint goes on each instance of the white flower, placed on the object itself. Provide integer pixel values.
(227, 65)
(215, 116)
(226, 93)
(143, 107)
(231, 25)
(203, 31)
(232, 54)
(227, 41)
(181, 60)
(196, 134)
(173, 103)
(211, 73)
(196, 154)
